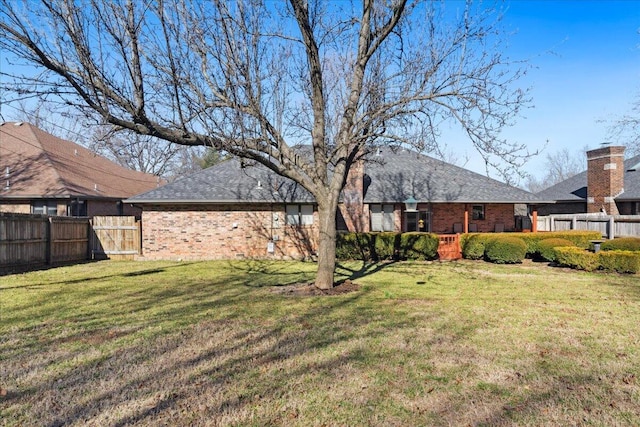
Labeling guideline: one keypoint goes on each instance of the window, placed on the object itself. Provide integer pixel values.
(382, 218)
(44, 207)
(77, 208)
(477, 212)
(417, 221)
(299, 214)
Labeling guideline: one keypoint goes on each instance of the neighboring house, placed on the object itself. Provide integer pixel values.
(43, 174)
(610, 185)
(236, 209)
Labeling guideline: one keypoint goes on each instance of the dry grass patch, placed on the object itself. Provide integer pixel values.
(211, 343)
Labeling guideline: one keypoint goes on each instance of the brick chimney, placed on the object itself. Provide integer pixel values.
(605, 179)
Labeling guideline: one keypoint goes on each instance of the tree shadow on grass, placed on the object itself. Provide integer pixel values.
(245, 356)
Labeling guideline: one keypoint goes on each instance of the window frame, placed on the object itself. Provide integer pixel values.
(478, 214)
(299, 214)
(387, 219)
(421, 215)
(45, 207)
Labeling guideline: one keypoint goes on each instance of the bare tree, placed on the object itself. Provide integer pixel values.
(626, 129)
(256, 79)
(558, 167)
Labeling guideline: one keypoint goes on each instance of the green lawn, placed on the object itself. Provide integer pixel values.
(221, 343)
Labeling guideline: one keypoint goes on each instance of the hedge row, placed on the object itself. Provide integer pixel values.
(613, 261)
(621, 244)
(473, 245)
(386, 246)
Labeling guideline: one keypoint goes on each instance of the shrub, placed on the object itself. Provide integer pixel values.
(419, 246)
(620, 261)
(580, 238)
(578, 258)
(386, 245)
(505, 250)
(354, 246)
(546, 247)
(473, 246)
(621, 244)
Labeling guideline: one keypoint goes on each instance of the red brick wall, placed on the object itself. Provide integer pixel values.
(223, 232)
(444, 215)
(605, 178)
(352, 208)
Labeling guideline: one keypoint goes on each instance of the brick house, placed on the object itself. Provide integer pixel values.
(236, 209)
(43, 174)
(610, 185)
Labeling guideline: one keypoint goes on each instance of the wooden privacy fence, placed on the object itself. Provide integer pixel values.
(39, 240)
(115, 237)
(610, 226)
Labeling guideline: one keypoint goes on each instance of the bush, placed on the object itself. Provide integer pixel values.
(354, 246)
(580, 238)
(419, 246)
(386, 246)
(621, 244)
(546, 248)
(578, 258)
(505, 250)
(473, 246)
(620, 261)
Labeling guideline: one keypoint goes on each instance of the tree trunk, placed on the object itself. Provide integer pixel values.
(326, 244)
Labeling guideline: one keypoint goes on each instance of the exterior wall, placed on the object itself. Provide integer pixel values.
(562, 208)
(16, 207)
(352, 208)
(224, 232)
(100, 207)
(605, 179)
(444, 215)
(94, 207)
(629, 208)
(129, 210)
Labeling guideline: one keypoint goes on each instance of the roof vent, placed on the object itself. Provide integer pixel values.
(17, 124)
(259, 186)
(95, 187)
(7, 172)
(75, 151)
(634, 168)
(6, 187)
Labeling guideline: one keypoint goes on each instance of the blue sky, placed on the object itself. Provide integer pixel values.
(586, 68)
(585, 58)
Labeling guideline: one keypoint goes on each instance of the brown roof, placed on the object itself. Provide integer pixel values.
(34, 163)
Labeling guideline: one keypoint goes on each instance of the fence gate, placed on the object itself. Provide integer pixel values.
(115, 237)
(449, 247)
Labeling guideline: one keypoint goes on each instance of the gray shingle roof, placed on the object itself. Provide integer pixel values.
(395, 176)
(392, 176)
(574, 189)
(230, 181)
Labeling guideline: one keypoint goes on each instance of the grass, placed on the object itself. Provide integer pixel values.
(215, 343)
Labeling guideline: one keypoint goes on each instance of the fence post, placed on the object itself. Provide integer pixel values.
(90, 239)
(49, 240)
(574, 222)
(612, 228)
